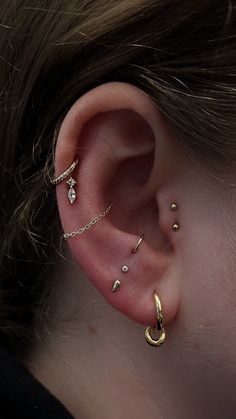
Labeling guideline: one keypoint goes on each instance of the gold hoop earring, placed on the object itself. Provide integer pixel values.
(159, 327)
(138, 244)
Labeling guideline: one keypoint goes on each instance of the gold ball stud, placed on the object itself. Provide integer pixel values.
(175, 227)
(173, 206)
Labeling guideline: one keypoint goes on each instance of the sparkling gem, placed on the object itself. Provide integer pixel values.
(71, 195)
(71, 182)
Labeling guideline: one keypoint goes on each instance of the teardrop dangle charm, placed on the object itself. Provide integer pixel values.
(71, 193)
(116, 285)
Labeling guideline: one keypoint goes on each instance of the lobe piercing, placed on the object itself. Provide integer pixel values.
(159, 326)
(117, 284)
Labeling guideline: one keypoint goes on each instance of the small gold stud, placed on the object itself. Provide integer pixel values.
(116, 285)
(173, 206)
(175, 227)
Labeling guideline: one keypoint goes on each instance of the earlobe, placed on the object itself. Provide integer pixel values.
(114, 229)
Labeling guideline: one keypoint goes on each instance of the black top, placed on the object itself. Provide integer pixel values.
(22, 396)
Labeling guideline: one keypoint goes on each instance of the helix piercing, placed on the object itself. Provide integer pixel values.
(71, 193)
(66, 173)
(159, 326)
(138, 244)
(125, 268)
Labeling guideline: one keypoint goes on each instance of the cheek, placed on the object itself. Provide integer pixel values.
(208, 309)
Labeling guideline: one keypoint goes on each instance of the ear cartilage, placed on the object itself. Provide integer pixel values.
(87, 226)
(71, 193)
(175, 227)
(173, 206)
(116, 285)
(65, 174)
(138, 244)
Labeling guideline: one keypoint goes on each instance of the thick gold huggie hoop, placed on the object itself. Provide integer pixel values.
(159, 327)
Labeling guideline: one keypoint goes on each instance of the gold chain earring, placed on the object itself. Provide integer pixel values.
(159, 327)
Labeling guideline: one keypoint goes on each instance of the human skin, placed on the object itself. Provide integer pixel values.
(96, 360)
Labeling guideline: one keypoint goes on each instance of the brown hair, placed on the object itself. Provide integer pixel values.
(180, 52)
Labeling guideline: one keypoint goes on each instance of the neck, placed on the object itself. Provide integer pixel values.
(98, 364)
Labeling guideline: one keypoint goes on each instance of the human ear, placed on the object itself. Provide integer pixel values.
(129, 156)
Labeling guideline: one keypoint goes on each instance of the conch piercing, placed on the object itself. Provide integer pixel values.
(138, 244)
(117, 284)
(159, 327)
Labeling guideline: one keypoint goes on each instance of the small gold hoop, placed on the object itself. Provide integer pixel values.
(138, 244)
(66, 173)
(159, 327)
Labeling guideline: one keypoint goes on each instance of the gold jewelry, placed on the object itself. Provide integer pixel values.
(138, 244)
(87, 226)
(125, 268)
(173, 206)
(66, 173)
(159, 327)
(116, 285)
(175, 227)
